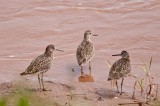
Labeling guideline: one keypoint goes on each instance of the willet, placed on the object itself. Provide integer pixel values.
(85, 51)
(41, 64)
(120, 69)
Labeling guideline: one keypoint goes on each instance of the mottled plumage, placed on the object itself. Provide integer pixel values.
(41, 64)
(85, 50)
(120, 68)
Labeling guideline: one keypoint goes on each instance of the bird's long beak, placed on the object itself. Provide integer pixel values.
(59, 50)
(94, 35)
(117, 55)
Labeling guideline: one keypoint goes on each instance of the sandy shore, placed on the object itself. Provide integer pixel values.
(27, 27)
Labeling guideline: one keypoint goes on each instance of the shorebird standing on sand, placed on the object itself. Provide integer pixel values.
(85, 50)
(120, 68)
(41, 64)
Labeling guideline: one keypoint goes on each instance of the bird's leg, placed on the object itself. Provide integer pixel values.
(90, 67)
(121, 86)
(42, 83)
(39, 81)
(82, 71)
(117, 86)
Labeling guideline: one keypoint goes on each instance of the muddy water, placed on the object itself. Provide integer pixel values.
(28, 26)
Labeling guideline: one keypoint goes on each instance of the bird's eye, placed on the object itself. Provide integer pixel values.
(90, 33)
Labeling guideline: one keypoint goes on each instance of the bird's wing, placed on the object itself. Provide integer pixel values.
(120, 68)
(38, 64)
(80, 55)
(84, 52)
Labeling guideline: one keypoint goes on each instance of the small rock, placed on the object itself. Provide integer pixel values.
(73, 70)
(116, 97)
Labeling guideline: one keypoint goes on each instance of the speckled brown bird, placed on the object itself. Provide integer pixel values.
(41, 64)
(120, 68)
(85, 50)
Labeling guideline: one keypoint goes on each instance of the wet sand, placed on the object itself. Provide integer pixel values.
(27, 27)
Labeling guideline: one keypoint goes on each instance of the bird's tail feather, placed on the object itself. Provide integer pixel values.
(109, 79)
(23, 73)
